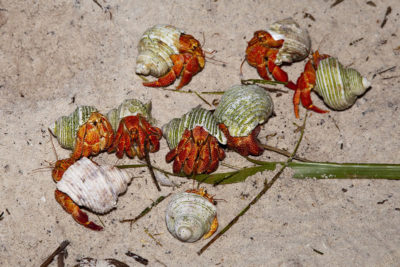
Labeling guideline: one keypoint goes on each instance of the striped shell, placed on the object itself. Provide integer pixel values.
(130, 107)
(297, 43)
(339, 86)
(66, 127)
(198, 116)
(155, 48)
(189, 216)
(242, 108)
(93, 186)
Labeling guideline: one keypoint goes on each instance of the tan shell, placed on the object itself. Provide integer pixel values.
(297, 43)
(155, 48)
(93, 186)
(189, 216)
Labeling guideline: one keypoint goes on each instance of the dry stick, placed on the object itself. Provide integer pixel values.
(147, 158)
(62, 246)
(146, 210)
(284, 152)
(266, 187)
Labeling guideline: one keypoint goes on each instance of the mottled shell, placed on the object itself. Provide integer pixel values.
(337, 85)
(189, 216)
(242, 108)
(66, 127)
(198, 116)
(297, 43)
(93, 186)
(130, 107)
(155, 48)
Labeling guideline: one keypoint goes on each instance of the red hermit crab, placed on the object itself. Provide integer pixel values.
(337, 85)
(193, 140)
(166, 52)
(239, 113)
(134, 134)
(85, 131)
(284, 41)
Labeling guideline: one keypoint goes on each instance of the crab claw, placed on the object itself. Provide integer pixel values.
(136, 137)
(244, 145)
(305, 83)
(79, 216)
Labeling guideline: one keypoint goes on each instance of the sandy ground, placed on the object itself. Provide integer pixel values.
(57, 55)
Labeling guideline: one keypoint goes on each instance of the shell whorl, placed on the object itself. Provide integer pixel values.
(198, 116)
(337, 85)
(297, 43)
(66, 127)
(155, 48)
(93, 186)
(130, 107)
(189, 216)
(242, 108)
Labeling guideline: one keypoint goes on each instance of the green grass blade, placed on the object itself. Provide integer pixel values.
(322, 170)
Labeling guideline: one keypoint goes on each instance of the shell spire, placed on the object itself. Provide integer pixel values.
(93, 186)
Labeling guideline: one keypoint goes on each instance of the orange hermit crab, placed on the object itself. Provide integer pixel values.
(134, 134)
(284, 41)
(193, 140)
(166, 52)
(85, 131)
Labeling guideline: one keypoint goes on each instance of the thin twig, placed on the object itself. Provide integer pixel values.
(60, 248)
(202, 98)
(283, 152)
(146, 210)
(152, 237)
(267, 186)
(137, 258)
(150, 167)
(337, 2)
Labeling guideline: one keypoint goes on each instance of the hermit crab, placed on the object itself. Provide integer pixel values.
(85, 131)
(193, 140)
(338, 86)
(239, 113)
(191, 215)
(283, 42)
(134, 134)
(166, 52)
(85, 183)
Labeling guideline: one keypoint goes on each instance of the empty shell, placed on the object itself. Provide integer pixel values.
(198, 116)
(189, 216)
(155, 48)
(297, 43)
(93, 186)
(66, 127)
(242, 108)
(339, 86)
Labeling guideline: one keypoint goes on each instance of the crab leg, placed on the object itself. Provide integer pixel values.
(170, 77)
(79, 216)
(191, 68)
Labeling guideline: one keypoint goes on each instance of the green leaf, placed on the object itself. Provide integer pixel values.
(327, 170)
(233, 177)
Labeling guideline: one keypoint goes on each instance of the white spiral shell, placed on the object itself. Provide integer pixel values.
(242, 108)
(155, 48)
(189, 216)
(198, 116)
(93, 186)
(297, 43)
(130, 107)
(337, 85)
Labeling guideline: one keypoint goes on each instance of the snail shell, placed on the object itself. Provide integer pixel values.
(242, 108)
(297, 43)
(155, 48)
(66, 127)
(130, 107)
(189, 216)
(337, 85)
(198, 116)
(93, 186)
